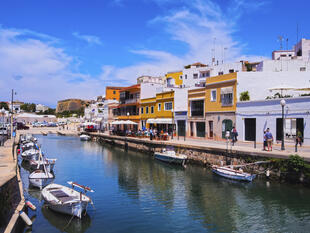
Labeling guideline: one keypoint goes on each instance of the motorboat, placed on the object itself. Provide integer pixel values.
(171, 157)
(67, 200)
(31, 154)
(84, 137)
(28, 145)
(40, 178)
(231, 173)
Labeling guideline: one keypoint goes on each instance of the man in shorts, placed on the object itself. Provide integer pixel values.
(269, 139)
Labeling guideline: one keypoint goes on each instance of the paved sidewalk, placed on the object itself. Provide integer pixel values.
(7, 163)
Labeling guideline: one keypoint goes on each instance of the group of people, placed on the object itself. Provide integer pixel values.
(268, 139)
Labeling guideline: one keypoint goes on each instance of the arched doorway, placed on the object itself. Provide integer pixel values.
(227, 125)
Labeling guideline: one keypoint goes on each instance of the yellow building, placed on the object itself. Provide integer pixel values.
(220, 104)
(158, 111)
(112, 93)
(174, 78)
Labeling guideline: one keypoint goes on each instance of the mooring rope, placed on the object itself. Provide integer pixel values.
(68, 223)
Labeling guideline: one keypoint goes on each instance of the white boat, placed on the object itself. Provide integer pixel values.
(84, 137)
(27, 146)
(66, 200)
(40, 178)
(48, 163)
(231, 173)
(30, 154)
(171, 157)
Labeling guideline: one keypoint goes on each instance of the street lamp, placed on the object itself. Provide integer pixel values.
(282, 103)
(172, 122)
(2, 136)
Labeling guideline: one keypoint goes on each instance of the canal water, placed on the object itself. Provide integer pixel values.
(135, 193)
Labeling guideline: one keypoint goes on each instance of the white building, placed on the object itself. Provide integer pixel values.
(16, 106)
(253, 117)
(150, 79)
(41, 108)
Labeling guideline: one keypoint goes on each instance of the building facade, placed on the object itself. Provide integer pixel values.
(254, 117)
(220, 105)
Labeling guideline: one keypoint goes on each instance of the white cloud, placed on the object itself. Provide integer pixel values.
(90, 39)
(203, 26)
(39, 71)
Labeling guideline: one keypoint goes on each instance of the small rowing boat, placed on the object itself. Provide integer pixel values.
(67, 200)
(230, 173)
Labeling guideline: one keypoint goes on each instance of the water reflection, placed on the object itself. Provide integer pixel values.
(135, 193)
(62, 222)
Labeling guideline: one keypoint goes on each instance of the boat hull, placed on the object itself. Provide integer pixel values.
(248, 178)
(76, 209)
(169, 159)
(40, 182)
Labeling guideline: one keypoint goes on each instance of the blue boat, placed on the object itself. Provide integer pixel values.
(233, 174)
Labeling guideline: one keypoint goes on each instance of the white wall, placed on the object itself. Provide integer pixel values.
(180, 99)
(149, 90)
(267, 111)
(292, 65)
(257, 83)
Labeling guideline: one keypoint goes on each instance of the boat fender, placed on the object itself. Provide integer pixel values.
(268, 173)
(25, 217)
(30, 205)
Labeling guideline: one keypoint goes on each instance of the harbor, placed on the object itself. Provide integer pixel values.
(134, 191)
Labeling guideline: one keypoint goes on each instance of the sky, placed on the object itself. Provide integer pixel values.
(54, 49)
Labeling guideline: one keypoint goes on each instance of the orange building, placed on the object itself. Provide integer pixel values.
(112, 93)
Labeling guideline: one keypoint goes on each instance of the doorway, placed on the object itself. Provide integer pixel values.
(181, 128)
(201, 129)
(227, 125)
(211, 129)
(250, 129)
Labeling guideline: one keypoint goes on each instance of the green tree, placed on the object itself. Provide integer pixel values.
(244, 96)
(4, 105)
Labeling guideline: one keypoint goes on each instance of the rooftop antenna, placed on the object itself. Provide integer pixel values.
(286, 43)
(280, 40)
(297, 32)
(213, 58)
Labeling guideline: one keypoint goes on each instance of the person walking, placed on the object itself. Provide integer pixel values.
(234, 135)
(269, 139)
(265, 140)
(298, 138)
(151, 134)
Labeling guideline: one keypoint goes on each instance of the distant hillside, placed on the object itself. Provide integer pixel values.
(70, 105)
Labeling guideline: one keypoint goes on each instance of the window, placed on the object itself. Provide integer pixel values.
(181, 77)
(159, 107)
(205, 74)
(114, 92)
(227, 96)
(186, 76)
(197, 108)
(302, 68)
(195, 76)
(142, 110)
(213, 95)
(152, 109)
(221, 73)
(231, 71)
(114, 99)
(168, 106)
(146, 110)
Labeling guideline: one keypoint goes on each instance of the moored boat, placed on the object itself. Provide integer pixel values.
(230, 173)
(66, 200)
(170, 156)
(40, 178)
(84, 137)
(30, 154)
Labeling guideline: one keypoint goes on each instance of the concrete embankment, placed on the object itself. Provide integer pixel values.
(11, 190)
(208, 155)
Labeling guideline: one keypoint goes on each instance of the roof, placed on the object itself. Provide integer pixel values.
(136, 86)
(114, 88)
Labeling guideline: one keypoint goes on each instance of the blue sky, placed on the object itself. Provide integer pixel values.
(51, 50)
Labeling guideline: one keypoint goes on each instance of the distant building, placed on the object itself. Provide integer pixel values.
(150, 79)
(70, 105)
(174, 79)
(41, 108)
(16, 106)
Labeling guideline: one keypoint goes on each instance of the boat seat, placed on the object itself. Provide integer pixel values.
(59, 194)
